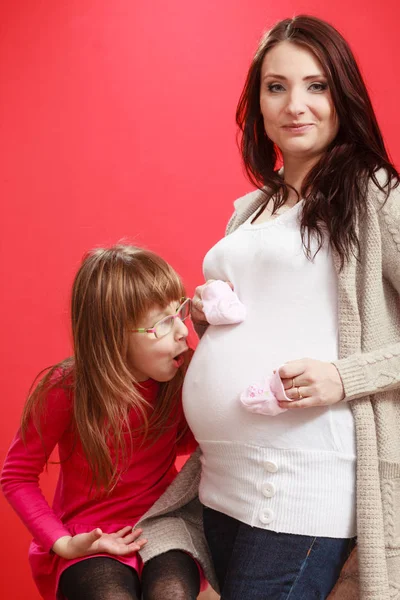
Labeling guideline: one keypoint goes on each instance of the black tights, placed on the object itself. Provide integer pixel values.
(170, 576)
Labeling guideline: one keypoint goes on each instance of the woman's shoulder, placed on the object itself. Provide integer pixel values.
(240, 204)
(384, 202)
(244, 207)
(383, 190)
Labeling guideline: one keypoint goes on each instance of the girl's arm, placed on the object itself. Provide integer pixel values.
(122, 542)
(24, 464)
(20, 483)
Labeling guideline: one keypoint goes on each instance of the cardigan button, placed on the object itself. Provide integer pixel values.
(267, 516)
(270, 466)
(268, 489)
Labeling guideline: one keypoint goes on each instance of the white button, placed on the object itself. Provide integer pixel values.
(267, 516)
(270, 466)
(268, 489)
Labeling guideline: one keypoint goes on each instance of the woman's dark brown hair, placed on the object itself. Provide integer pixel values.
(335, 189)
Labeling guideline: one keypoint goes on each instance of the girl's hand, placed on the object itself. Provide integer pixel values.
(120, 543)
(311, 382)
(197, 313)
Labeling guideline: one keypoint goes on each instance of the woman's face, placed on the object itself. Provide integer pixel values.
(296, 103)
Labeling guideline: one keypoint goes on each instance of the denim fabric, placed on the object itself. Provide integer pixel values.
(257, 564)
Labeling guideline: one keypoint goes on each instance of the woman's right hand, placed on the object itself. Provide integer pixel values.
(197, 313)
(122, 542)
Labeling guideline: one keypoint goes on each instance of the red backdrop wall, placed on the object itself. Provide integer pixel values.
(117, 120)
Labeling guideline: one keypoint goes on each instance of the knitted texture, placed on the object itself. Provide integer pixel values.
(175, 521)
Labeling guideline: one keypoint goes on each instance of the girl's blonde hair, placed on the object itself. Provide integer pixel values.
(112, 292)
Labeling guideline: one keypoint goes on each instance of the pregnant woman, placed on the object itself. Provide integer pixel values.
(314, 255)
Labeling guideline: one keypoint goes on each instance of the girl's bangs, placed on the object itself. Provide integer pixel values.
(159, 289)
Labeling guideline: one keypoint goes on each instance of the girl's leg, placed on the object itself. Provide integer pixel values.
(100, 578)
(173, 575)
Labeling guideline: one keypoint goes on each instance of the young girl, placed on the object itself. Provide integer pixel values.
(114, 410)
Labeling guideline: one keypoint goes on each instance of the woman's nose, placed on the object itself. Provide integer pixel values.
(296, 103)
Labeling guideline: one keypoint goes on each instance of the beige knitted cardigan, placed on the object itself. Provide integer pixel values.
(369, 365)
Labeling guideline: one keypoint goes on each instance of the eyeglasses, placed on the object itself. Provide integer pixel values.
(165, 325)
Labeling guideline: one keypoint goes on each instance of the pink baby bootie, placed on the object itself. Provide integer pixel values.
(221, 305)
(263, 399)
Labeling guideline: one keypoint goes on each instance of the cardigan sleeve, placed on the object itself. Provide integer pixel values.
(389, 219)
(379, 371)
(25, 462)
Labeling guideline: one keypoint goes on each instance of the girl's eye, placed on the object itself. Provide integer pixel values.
(318, 87)
(275, 87)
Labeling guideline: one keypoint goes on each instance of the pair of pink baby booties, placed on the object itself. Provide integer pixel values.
(221, 306)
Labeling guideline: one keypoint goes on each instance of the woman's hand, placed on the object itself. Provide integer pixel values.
(310, 382)
(197, 313)
(122, 542)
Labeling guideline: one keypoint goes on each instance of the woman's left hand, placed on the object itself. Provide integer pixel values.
(310, 382)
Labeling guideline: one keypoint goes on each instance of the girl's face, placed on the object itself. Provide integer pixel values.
(157, 358)
(296, 104)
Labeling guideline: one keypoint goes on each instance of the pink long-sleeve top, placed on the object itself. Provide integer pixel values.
(76, 509)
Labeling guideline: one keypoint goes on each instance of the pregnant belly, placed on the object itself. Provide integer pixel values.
(223, 366)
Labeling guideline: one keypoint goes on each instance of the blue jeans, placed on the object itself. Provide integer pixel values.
(257, 564)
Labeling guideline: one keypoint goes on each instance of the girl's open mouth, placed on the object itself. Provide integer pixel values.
(179, 360)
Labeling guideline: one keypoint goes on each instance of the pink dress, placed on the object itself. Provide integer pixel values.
(75, 509)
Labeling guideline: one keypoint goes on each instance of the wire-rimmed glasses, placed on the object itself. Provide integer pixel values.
(165, 325)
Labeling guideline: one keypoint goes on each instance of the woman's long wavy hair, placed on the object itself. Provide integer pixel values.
(112, 292)
(335, 189)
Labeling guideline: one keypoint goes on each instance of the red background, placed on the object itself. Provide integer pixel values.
(117, 121)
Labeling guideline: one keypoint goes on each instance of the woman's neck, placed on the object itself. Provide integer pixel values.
(294, 173)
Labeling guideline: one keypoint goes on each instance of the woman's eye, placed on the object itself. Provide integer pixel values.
(318, 87)
(275, 87)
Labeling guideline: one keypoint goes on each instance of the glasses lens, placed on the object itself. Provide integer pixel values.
(164, 326)
(184, 310)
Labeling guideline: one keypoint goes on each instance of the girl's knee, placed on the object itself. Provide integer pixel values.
(169, 588)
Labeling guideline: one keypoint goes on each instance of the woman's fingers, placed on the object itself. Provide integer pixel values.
(294, 382)
(293, 369)
(298, 392)
(303, 403)
(197, 312)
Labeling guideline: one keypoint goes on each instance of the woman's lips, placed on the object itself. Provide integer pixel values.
(300, 128)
